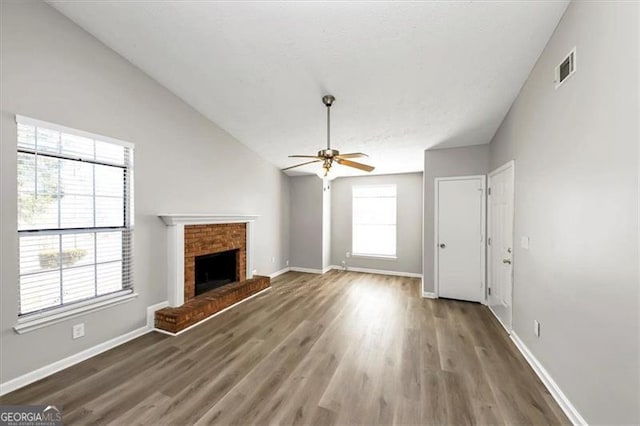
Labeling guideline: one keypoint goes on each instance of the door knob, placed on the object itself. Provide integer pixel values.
(442, 245)
(506, 261)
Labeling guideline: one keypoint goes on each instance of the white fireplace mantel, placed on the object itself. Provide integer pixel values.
(175, 258)
(205, 219)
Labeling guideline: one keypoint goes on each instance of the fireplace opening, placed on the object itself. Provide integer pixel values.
(215, 270)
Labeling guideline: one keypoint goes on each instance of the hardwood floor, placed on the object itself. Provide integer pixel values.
(341, 348)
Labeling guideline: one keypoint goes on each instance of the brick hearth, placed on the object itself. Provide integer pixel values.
(207, 304)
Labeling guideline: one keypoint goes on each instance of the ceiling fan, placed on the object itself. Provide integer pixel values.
(328, 156)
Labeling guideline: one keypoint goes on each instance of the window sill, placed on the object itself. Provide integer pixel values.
(34, 322)
(374, 256)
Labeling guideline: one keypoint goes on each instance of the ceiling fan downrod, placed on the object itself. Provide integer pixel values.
(328, 100)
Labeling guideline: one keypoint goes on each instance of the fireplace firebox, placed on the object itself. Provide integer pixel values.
(215, 270)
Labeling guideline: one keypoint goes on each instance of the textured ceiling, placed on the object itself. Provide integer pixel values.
(407, 76)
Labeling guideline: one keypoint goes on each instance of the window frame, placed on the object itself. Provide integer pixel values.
(355, 254)
(30, 321)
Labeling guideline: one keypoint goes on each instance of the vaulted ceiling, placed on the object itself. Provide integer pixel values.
(407, 76)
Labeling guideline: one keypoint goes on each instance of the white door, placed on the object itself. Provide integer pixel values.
(459, 237)
(500, 242)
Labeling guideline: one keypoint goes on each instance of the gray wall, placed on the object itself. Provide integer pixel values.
(576, 153)
(471, 160)
(409, 248)
(306, 222)
(54, 71)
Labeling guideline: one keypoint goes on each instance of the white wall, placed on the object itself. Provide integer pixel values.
(409, 242)
(54, 71)
(576, 156)
(306, 222)
(326, 224)
(465, 161)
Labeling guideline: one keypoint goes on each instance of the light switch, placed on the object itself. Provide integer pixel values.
(524, 243)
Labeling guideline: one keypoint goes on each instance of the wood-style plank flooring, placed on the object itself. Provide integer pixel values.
(341, 348)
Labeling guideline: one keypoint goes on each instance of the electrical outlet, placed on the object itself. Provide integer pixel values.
(524, 243)
(254, 272)
(273, 260)
(536, 328)
(78, 331)
(287, 262)
(348, 254)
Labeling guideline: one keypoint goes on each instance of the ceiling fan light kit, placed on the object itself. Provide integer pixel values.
(328, 174)
(328, 156)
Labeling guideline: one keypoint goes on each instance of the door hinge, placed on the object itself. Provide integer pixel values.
(489, 241)
(489, 291)
(488, 191)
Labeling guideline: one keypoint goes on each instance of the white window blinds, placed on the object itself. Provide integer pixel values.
(374, 220)
(75, 216)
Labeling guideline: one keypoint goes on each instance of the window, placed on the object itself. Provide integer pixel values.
(75, 220)
(374, 220)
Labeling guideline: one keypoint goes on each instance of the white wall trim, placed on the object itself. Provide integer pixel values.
(212, 316)
(377, 271)
(280, 272)
(483, 231)
(429, 295)
(355, 269)
(56, 366)
(306, 270)
(562, 400)
(151, 313)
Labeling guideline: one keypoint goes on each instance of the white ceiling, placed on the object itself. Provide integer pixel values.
(407, 76)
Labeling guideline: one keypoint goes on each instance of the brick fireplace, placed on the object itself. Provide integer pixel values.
(200, 240)
(195, 238)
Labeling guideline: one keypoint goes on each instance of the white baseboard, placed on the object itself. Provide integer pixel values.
(306, 270)
(429, 295)
(151, 313)
(504, 326)
(355, 269)
(377, 271)
(212, 316)
(562, 400)
(54, 367)
(280, 272)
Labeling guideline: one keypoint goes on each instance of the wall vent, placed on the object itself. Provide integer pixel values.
(566, 68)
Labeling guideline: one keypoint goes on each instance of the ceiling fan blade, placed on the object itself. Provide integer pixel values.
(305, 156)
(352, 155)
(303, 164)
(355, 165)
